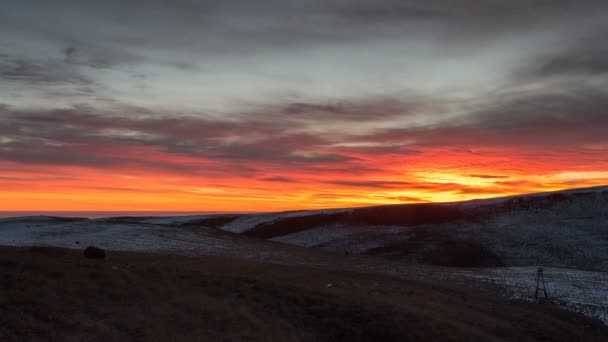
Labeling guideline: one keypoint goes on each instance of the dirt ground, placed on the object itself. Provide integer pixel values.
(49, 294)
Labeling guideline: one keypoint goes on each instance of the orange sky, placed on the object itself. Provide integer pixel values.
(436, 175)
(236, 106)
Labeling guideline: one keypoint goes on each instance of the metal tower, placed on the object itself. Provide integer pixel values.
(540, 284)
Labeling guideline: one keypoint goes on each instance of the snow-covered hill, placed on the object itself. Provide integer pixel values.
(166, 235)
(562, 229)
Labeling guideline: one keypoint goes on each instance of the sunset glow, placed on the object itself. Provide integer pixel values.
(454, 176)
(237, 108)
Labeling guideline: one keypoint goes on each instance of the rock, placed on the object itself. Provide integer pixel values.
(93, 252)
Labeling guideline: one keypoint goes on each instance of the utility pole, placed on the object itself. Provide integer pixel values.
(540, 284)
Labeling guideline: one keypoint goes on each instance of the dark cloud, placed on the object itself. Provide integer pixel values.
(406, 199)
(520, 184)
(121, 189)
(354, 169)
(431, 187)
(306, 108)
(585, 55)
(39, 73)
(479, 191)
(75, 56)
(553, 118)
(81, 136)
(35, 178)
(488, 176)
(577, 62)
(391, 149)
(92, 51)
(267, 151)
(227, 27)
(198, 35)
(387, 11)
(370, 184)
(568, 116)
(279, 179)
(370, 109)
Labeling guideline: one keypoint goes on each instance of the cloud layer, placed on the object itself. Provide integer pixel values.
(290, 104)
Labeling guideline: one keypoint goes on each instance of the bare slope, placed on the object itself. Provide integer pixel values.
(54, 294)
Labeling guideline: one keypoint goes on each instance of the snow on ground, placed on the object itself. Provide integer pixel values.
(344, 238)
(122, 237)
(581, 291)
(177, 220)
(569, 230)
(321, 235)
(584, 292)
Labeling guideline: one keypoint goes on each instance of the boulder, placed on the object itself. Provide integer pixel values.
(93, 252)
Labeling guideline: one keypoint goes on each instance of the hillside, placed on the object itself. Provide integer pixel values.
(561, 229)
(496, 242)
(56, 294)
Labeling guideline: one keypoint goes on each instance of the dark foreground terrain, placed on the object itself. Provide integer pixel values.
(49, 294)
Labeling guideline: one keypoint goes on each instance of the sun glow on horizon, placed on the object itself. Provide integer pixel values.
(102, 190)
(228, 106)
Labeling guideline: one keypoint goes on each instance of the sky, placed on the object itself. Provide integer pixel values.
(275, 105)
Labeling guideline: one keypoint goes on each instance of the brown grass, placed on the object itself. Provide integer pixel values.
(49, 294)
